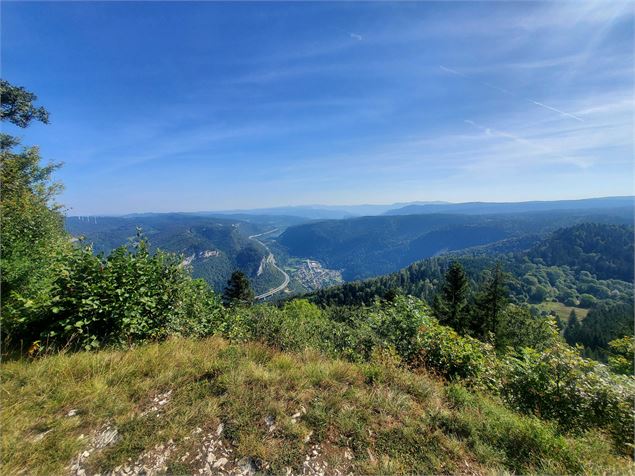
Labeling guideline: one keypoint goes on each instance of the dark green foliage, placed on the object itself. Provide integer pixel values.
(248, 259)
(602, 324)
(451, 302)
(520, 328)
(238, 291)
(16, 105)
(370, 246)
(604, 250)
(571, 332)
(490, 305)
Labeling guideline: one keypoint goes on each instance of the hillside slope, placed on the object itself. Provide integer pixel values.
(606, 251)
(370, 246)
(552, 268)
(213, 247)
(207, 407)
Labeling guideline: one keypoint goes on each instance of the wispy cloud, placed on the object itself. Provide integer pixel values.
(508, 92)
(529, 145)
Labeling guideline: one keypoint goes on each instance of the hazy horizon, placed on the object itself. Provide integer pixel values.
(164, 107)
(326, 206)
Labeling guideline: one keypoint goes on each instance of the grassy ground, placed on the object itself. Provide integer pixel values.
(563, 311)
(168, 401)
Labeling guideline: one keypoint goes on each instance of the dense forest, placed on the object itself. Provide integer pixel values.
(371, 246)
(605, 251)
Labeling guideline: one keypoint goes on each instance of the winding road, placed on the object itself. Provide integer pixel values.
(272, 260)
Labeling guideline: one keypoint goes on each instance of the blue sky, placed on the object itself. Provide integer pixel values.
(209, 106)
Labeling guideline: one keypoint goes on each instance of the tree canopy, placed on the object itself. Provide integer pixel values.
(32, 233)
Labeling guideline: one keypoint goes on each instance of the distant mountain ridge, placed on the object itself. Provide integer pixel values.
(319, 212)
(481, 208)
(297, 213)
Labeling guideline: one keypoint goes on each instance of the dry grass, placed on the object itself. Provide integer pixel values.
(389, 419)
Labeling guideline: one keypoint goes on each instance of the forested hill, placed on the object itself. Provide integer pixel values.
(572, 272)
(213, 247)
(606, 251)
(570, 276)
(370, 246)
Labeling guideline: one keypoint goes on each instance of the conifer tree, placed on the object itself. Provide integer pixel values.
(491, 302)
(450, 304)
(238, 291)
(572, 331)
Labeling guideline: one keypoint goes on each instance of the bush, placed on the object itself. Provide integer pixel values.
(444, 351)
(295, 327)
(519, 328)
(557, 384)
(350, 333)
(622, 355)
(130, 296)
(398, 324)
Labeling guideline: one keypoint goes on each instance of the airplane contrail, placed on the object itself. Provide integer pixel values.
(521, 140)
(557, 110)
(506, 91)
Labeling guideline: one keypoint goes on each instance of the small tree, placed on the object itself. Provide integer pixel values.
(450, 303)
(238, 291)
(572, 330)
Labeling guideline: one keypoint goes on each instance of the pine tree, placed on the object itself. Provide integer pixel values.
(451, 302)
(491, 302)
(238, 291)
(572, 331)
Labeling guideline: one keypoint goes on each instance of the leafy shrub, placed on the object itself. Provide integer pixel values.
(398, 324)
(129, 296)
(444, 351)
(622, 356)
(519, 328)
(557, 384)
(295, 327)
(353, 334)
